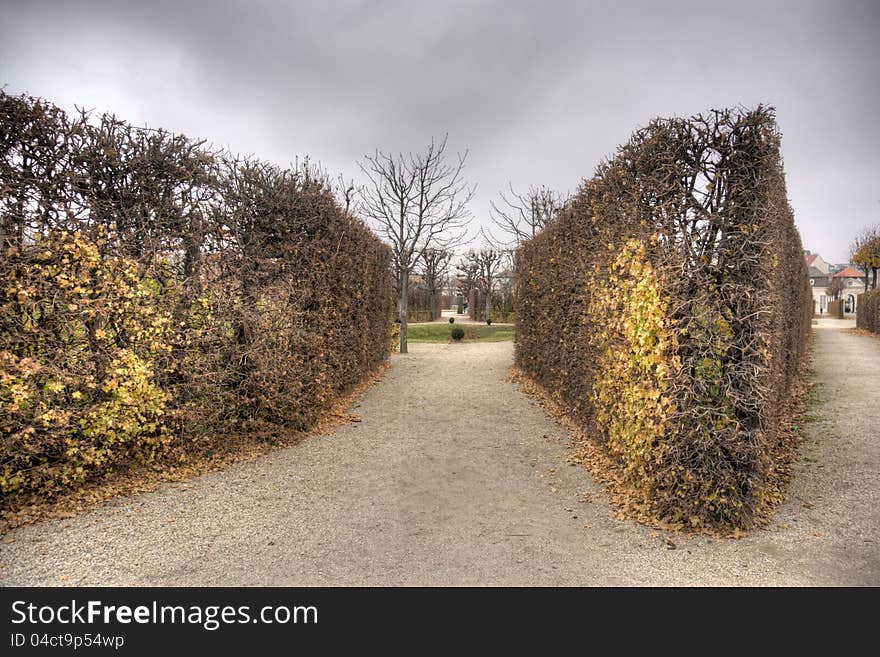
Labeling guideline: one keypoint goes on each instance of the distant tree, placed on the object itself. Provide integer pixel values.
(466, 277)
(836, 287)
(435, 267)
(416, 202)
(521, 216)
(865, 253)
(487, 264)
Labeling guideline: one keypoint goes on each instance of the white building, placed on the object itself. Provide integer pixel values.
(821, 275)
(820, 280)
(853, 286)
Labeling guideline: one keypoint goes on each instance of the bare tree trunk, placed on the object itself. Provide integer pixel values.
(417, 203)
(432, 303)
(488, 305)
(403, 307)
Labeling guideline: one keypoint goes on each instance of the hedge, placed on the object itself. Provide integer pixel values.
(667, 310)
(868, 311)
(155, 294)
(835, 309)
(417, 316)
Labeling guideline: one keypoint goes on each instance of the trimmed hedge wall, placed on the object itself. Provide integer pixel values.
(835, 309)
(419, 316)
(868, 311)
(668, 309)
(158, 296)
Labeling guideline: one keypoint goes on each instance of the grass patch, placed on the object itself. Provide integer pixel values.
(436, 332)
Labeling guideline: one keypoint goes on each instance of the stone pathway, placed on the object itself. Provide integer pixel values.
(455, 477)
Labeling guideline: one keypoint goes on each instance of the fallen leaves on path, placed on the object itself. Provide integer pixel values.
(609, 474)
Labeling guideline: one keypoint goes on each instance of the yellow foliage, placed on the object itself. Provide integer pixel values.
(635, 346)
(395, 336)
(83, 339)
(867, 255)
(132, 410)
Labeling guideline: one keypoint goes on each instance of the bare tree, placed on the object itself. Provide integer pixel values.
(521, 216)
(466, 278)
(416, 202)
(435, 267)
(836, 287)
(487, 264)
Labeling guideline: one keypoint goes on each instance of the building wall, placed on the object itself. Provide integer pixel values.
(820, 264)
(820, 299)
(850, 297)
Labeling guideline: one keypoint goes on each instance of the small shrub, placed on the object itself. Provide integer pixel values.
(489, 321)
(452, 320)
(457, 333)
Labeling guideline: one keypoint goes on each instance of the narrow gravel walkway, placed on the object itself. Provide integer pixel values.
(455, 477)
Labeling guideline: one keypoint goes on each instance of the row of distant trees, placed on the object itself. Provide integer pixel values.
(419, 204)
(444, 277)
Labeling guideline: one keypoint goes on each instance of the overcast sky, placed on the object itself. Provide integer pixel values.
(538, 92)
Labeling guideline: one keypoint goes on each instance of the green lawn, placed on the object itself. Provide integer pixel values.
(440, 332)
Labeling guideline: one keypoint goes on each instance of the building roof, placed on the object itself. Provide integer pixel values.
(811, 258)
(849, 272)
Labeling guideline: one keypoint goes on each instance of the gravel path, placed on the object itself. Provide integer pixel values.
(455, 477)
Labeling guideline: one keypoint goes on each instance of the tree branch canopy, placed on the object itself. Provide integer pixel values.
(521, 216)
(865, 253)
(417, 202)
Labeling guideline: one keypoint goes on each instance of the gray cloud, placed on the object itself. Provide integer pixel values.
(538, 92)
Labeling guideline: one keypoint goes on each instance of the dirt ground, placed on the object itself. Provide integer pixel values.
(453, 476)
